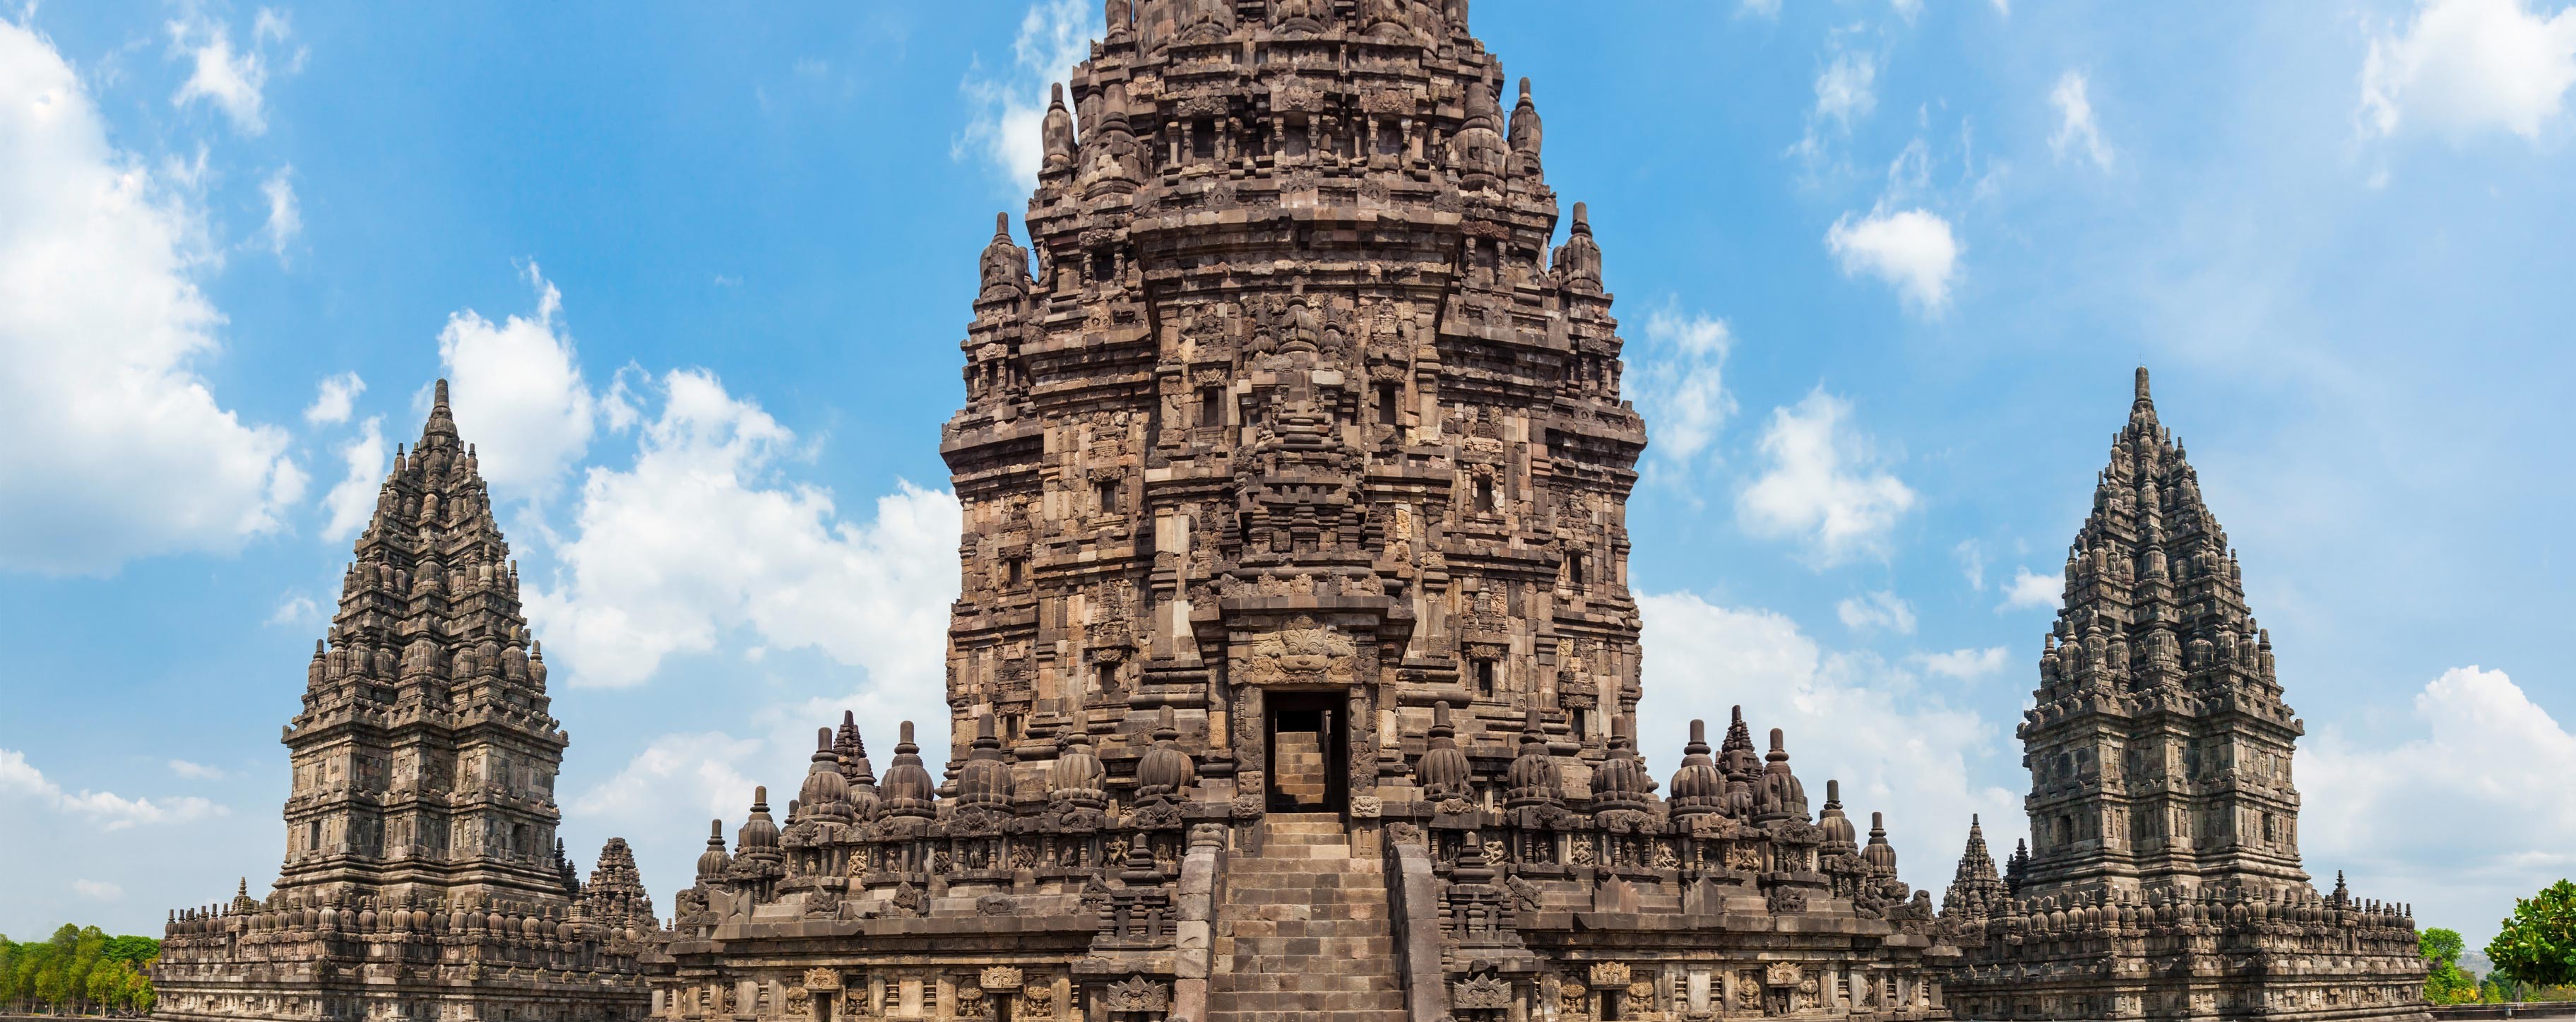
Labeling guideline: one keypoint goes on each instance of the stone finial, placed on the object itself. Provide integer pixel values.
(1880, 855)
(1526, 132)
(1055, 132)
(1443, 770)
(442, 421)
(1164, 773)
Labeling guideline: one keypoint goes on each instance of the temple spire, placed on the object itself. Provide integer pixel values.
(442, 421)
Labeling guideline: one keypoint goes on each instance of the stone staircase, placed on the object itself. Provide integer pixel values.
(1297, 768)
(1304, 931)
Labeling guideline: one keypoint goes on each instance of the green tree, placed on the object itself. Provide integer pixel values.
(2444, 983)
(26, 995)
(8, 973)
(89, 945)
(143, 998)
(78, 970)
(132, 950)
(106, 986)
(51, 984)
(2537, 947)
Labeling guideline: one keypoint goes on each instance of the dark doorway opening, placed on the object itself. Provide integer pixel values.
(1307, 746)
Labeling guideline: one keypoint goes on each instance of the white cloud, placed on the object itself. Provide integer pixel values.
(2075, 126)
(1911, 249)
(352, 501)
(667, 791)
(333, 398)
(699, 773)
(108, 810)
(1848, 715)
(1847, 89)
(1680, 382)
(1967, 664)
(197, 771)
(1882, 611)
(2487, 758)
(1846, 92)
(701, 546)
(285, 217)
(272, 27)
(294, 610)
(1009, 106)
(1758, 9)
(698, 538)
(2031, 591)
(231, 80)
(516, 390)
(1822, 485)
(2469, 66)
(1972, 563)
(1906, 9)
(118, 450)
(97, 890)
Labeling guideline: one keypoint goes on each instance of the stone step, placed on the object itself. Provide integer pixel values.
(1329, 900)
(1310, 1015)
(1327, 831)
(1298, 871)
(1332, 892)
(1272, 851)
(1304, 932)
(1301, 921)
(1305, 941)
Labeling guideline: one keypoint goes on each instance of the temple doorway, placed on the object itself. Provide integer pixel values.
(1307, 747)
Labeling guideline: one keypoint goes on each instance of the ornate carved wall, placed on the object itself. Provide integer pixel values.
(1297, 398)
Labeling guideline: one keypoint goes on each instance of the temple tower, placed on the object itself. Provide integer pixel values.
(2159, 750)
(422, 876)
(1294, 670)
(1299, 426)
(424, 756)
(2162, 877)
(1976, 891)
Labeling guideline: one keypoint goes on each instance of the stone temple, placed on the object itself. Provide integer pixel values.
(2163, 879)
(1294, 673)
(1295, 670)
(423, 880)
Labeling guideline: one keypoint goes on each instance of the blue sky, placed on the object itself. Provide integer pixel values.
(1883, 270)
